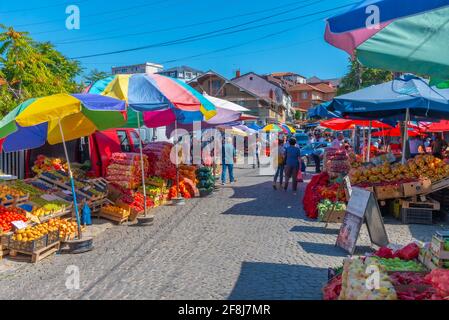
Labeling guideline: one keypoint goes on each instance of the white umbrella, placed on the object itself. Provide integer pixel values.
(227, 111)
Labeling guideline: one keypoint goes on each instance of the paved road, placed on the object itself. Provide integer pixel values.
(244, 242)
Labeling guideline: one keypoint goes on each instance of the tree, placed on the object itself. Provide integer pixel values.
(94, 75)
(361, 77)
(298, 115)
(32, 69)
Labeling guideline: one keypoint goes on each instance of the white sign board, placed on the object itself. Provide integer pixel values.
(358, 202)
(19, 224)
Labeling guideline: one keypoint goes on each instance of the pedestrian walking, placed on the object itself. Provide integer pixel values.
(228, 158)
(257, 148)
(292, 164)
(280, 165)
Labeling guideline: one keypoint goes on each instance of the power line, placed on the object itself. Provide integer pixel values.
(102, 13)
(211, 34)
(83, 39)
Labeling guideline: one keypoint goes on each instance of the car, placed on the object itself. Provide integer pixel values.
(310, 149)
(302, 139)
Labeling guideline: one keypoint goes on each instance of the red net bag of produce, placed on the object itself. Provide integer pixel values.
(385, 252)
(409, 252)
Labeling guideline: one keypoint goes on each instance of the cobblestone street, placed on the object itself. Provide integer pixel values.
(246, 241)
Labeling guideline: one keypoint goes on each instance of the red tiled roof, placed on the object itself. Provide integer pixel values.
(325, 88)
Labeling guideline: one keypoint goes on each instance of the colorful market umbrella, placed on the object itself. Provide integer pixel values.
(273, 128)
(396, 35)
(254, 126)
(442, 126)
(161, 100)
(60, 118)
(395, 132)
(289, 129)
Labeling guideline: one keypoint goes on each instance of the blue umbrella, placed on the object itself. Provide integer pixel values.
(254, 127)
(407, 95)
(321, 111)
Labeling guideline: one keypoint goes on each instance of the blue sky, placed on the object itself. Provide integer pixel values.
(295, 45)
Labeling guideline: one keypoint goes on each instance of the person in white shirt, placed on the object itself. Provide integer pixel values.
(337, 142)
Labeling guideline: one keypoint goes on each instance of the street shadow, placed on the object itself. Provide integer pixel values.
(313, 229)
(324, 249)
(272, 281)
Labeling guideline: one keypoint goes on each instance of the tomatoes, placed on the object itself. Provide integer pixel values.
(8, 215)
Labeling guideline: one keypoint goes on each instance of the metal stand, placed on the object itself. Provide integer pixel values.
(178, 201)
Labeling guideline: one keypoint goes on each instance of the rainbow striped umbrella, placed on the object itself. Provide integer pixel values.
(396, 35)
(274, 128)
(163, 100)
(289, 129)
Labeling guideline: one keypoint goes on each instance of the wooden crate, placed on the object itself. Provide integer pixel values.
(334, 216)
(35, 256)
(439, 185)
(388, 192)
(4, 251)
(429, 204)
(437, 247)
(116, 218)
(411, 189)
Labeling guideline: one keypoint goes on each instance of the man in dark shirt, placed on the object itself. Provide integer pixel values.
(292, 164)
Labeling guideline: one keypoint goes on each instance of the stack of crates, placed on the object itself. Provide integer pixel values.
(418, 212)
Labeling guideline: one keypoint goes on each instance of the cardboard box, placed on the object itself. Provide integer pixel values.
(388, 192)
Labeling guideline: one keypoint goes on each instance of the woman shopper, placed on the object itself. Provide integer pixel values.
(281, 164)
(292, 164)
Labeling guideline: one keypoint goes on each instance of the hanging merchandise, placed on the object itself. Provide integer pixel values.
(124, 170)
(160, 164)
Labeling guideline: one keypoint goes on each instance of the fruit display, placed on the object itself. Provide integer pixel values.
(124, 170)
(354, 280)
(439, 279)
(413, 286)
(67, 228)
(422, 166)
(326, 205)
(36, 232)
(115, 211)
(9, 215)
(155, 181)
(26, 188)
(183, 190)
(336, 162)
(47, 209)
(160, 164)
(9, 193)
(206, 180)
(135, 200)
(396, 264)
(44, 163)
(333, 192)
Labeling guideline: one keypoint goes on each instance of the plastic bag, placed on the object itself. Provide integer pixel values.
(409, 252)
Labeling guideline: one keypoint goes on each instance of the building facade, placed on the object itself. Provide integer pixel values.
(147, 67)
(289, 77)
(183, 73)
(218, 86)
(306, 96)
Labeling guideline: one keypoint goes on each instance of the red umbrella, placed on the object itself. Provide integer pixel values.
(441, 126)
(346, 124)
(395, 132)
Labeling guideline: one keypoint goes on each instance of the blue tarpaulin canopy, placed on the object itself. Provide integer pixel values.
(321, 111)
(392, 99)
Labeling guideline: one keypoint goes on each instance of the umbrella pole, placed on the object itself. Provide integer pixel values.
(142, 167)
(368, 156)
(405, 137)
(179, 200)
(72, 182)
(364, 147)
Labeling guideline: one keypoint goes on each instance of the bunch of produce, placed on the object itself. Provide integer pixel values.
(422, 166)
(8, 193)
(412, 286)
(26, 188)
(355, 160)
(332, 192)
(155, 181)
(439, 278)
(206, 180)
(326, 206)
(333, 289)
(183, 190)
(38, 201)
(47, 209)
(33, 233)
(396, 264)
(44, 163)
(354, 280)
(9, 215)
(188, 172)
(311, 196)
(124, 170)
(336, 162)
(409, 252)
(115, 211)
(135, 200)
(67, 228)
(159, 158)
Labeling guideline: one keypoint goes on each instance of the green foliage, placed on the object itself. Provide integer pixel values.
(94, 75)
(298, 115)
(359, 77)
(32, 69)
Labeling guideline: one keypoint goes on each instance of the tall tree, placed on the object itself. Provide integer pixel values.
(361, 77)
(94, 75)
(32, 69)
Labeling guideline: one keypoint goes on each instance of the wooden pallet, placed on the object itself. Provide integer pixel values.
(119, 220)
(34, 257)
(3, 251)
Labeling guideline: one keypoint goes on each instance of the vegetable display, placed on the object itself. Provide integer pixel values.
(44, 163)
(336, 162)
(312, 196)
(8, 193)
(205, 180)
(326, 205)
(396, 264)
(160, 165)
(124, 169)
(9, 215)
(33, 233)
(47, 209)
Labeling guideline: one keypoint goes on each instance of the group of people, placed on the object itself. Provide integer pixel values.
(289, 163)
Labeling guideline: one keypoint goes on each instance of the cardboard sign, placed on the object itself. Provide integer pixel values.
(19, 224)
(362, 207)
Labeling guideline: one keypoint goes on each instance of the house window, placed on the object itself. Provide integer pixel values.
(216, 85)
(304, 95)
(188, 75)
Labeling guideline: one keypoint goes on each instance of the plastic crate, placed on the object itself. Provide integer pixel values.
(416, 216)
